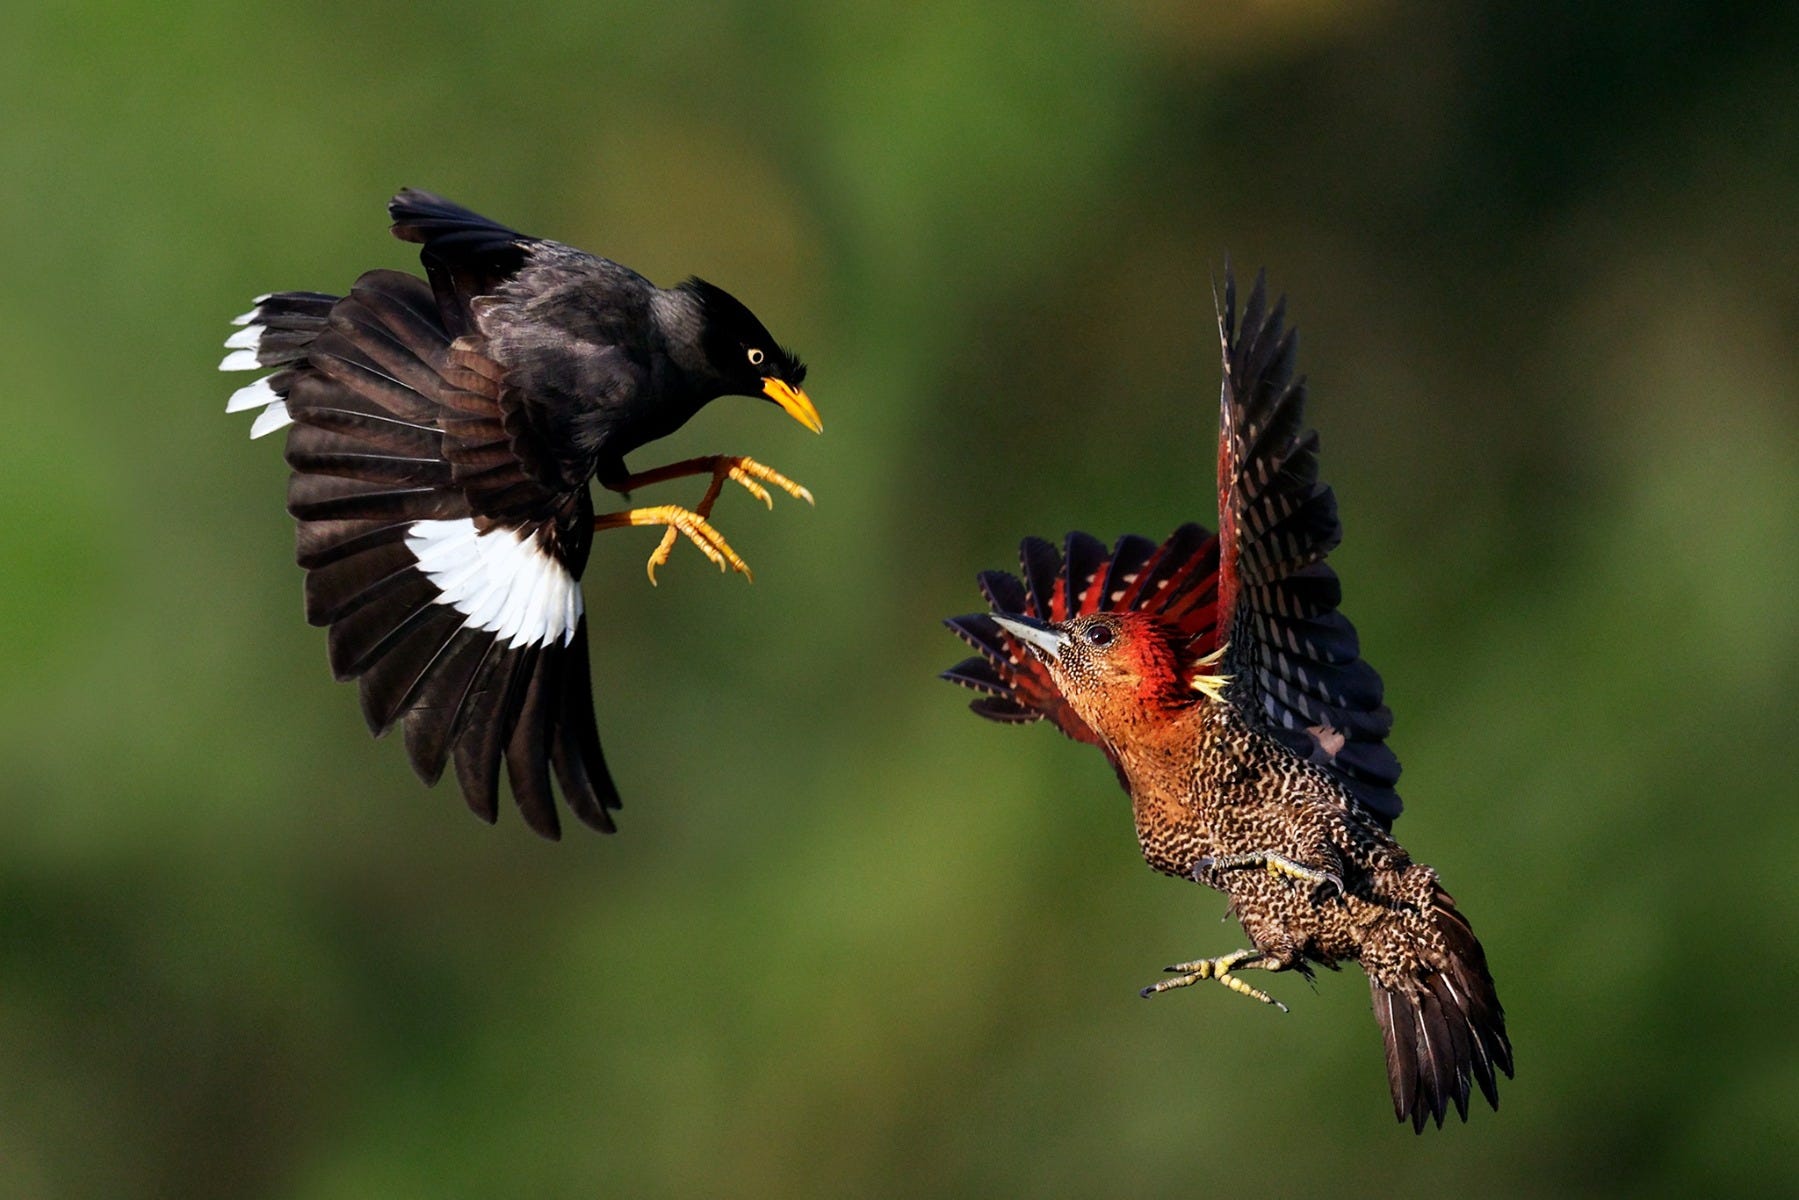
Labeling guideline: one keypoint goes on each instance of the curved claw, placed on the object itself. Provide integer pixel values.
(742, 470)
(747, 472)
(1324, 887)
(1221, 969)
(752, 487)
(677, 520)
(1323, 880)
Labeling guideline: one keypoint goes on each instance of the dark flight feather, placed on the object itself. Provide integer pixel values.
(442, 435)
(1303, 682)
(381, 440)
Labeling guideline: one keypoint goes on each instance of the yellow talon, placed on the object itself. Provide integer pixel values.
(738, 475)
(746, 472)
(1220, 968)
(1212, 686)
(1278, 866)
(677, 520)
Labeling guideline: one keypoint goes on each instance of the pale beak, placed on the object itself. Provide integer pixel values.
(1045, 641)
(793, 402)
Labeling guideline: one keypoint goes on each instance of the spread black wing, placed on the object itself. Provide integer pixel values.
(445, 563)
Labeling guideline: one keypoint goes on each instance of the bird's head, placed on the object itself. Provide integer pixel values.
(1116, 668)
(744, 358)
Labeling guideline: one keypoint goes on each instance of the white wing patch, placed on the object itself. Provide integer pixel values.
(247, 338)
(273, 412)
(274, 417)
(256, 395)
(245, 346)
(501, 580)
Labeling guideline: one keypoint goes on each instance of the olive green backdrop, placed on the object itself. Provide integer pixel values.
(853, 941)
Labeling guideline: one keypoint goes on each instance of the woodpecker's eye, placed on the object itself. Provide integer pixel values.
(1098, 635)
(755, 357)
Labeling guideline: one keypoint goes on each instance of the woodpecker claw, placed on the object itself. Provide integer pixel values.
(1219, 968)
(1279, 865)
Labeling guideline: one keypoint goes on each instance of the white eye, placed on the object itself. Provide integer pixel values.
(755, 357)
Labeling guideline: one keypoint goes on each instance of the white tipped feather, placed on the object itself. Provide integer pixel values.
(502, 581)
(256, 395)
(245, 318)
(241, 360)
(270, 419)
(247, 338)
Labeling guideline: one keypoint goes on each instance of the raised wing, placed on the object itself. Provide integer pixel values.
(551, 316)
(465, 254)
(1293, 658)
(445, 568)
(1174, 580)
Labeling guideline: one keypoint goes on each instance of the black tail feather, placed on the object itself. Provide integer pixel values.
(391, 684)
(580, 764)
(528, 750)
(438, 714)
(491, 708)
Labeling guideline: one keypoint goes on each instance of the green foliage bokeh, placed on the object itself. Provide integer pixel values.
(851, 940)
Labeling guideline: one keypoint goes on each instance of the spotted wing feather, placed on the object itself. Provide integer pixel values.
(1293, 658)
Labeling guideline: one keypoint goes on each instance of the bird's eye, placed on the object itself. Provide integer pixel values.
(755, 357)
(1099, 635)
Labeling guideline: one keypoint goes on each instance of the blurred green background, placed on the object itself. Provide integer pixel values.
(853, 941)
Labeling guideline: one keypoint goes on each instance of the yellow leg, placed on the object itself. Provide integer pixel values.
(1220, 968)
(678, 520)
(1277, 865)
(738, 469)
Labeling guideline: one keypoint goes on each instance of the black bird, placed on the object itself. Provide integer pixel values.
(442, 436)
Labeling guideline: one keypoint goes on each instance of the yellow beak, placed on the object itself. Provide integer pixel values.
(794, 402)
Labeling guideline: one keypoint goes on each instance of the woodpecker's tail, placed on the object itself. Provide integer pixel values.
(1444, 1028)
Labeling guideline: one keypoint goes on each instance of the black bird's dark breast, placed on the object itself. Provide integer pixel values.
(586, 359)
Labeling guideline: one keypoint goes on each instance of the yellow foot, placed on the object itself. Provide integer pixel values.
(737, 468)
(752, 475)
(711, 543)
(1277, 865)
(1220, 968)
